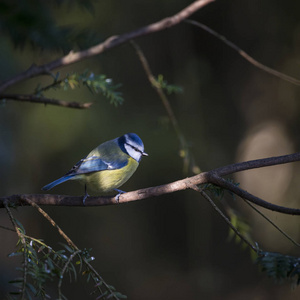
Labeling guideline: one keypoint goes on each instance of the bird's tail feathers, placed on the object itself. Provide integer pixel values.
(56, 182)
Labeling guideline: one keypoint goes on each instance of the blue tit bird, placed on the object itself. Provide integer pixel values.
(106, 167)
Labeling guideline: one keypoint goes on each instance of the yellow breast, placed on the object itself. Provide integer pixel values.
(107, 180)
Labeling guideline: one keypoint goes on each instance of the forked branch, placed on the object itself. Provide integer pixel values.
(213, 177)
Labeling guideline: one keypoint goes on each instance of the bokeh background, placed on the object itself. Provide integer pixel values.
(173, 246)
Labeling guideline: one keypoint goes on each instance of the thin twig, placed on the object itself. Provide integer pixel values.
(108, 287)
(55, 83)
(23, 241)
(109, 43)
(157, 87)
(63, 272)
(216, 208)
(246, 56)
(7, 228)
(44, 100)
(71, 243)
(272, 223)
(52, 222)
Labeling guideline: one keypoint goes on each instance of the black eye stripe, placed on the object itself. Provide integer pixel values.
(133, 147)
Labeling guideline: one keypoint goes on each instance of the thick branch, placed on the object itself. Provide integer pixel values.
(257, 163)
(111, 42)
(219, 181)
(187, 183)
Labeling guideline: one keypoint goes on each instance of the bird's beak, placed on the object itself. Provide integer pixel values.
(144, 154)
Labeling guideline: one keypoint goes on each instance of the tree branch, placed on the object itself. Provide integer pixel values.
(43, 100)
(219, 181)
(257, 163)
(166, 103)
(109, 43)
(213, 177)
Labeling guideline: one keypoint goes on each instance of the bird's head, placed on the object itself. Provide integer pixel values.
(131, 144)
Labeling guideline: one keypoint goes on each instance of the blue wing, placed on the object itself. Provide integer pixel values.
(87, 165)
(95, 164)
(111, 158)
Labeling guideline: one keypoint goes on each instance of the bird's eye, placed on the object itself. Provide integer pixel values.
(134, 148)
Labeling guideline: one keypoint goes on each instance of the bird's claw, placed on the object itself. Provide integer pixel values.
(86, 195)
(120, 192)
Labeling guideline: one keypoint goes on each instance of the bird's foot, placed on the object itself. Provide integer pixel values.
(119, 194)
(86, 195)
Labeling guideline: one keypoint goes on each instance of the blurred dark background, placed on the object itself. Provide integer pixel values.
(173, 246)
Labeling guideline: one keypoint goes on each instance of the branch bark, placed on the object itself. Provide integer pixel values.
(213, 177)
(109, 43)
(44, 100)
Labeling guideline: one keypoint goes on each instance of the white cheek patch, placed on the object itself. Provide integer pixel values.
(133, 152)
